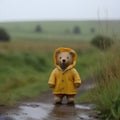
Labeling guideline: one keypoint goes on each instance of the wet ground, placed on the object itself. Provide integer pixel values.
(44, 109)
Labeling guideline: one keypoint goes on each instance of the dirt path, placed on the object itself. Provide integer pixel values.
(43, 109)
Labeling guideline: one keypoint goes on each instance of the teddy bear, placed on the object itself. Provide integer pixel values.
(64, 79)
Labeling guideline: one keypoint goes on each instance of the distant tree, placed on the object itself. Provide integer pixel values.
(38, 28)
(76, 30)
(4, 36)
(92, 30)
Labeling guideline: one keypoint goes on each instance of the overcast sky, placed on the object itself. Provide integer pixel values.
(17, 10)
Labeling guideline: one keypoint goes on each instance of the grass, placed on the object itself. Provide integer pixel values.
(62, 29)
(26, 66)
(106, 95)
(22, 74)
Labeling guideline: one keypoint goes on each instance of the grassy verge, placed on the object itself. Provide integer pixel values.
(106, 95)
(25, 67)
(22, 75)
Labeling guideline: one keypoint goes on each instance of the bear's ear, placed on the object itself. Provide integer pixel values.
(57, 52)
(72, 54)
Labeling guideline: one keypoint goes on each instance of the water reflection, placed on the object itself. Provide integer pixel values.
(63, 111)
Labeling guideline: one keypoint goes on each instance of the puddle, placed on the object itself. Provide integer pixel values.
(40, 111)
(30, 111)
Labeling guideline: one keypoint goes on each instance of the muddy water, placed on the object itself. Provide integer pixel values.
(43, 111)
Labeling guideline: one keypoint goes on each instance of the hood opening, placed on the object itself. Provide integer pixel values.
(62, 49)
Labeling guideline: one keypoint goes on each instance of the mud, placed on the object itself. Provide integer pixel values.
(43, 108)
(43, 111)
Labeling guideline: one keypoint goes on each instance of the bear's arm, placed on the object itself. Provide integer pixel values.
(51, 81)
(77, 80)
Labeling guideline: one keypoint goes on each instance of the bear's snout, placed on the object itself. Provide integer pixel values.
(63, 60)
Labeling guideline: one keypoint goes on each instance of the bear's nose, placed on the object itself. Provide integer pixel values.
(63, 60)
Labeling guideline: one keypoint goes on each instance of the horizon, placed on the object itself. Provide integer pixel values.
(59, 20)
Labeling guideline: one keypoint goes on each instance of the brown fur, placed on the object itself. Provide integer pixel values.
(64, 59)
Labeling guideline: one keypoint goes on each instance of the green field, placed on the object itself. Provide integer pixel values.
(26, 66)
(62, 29)
(27, 61)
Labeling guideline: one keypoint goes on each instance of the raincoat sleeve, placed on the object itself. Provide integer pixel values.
(76, 77)
(52, 78)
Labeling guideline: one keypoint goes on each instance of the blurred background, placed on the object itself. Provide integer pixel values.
(30, 31)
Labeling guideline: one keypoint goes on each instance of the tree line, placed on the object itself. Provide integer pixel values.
(100, 41)
(75, 30)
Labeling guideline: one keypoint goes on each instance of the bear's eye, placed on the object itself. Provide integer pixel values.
(67, 57)
(60, 57)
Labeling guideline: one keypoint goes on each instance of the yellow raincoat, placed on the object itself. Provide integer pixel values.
(64, 81)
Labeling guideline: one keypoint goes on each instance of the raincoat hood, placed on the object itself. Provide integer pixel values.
(62, 49)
